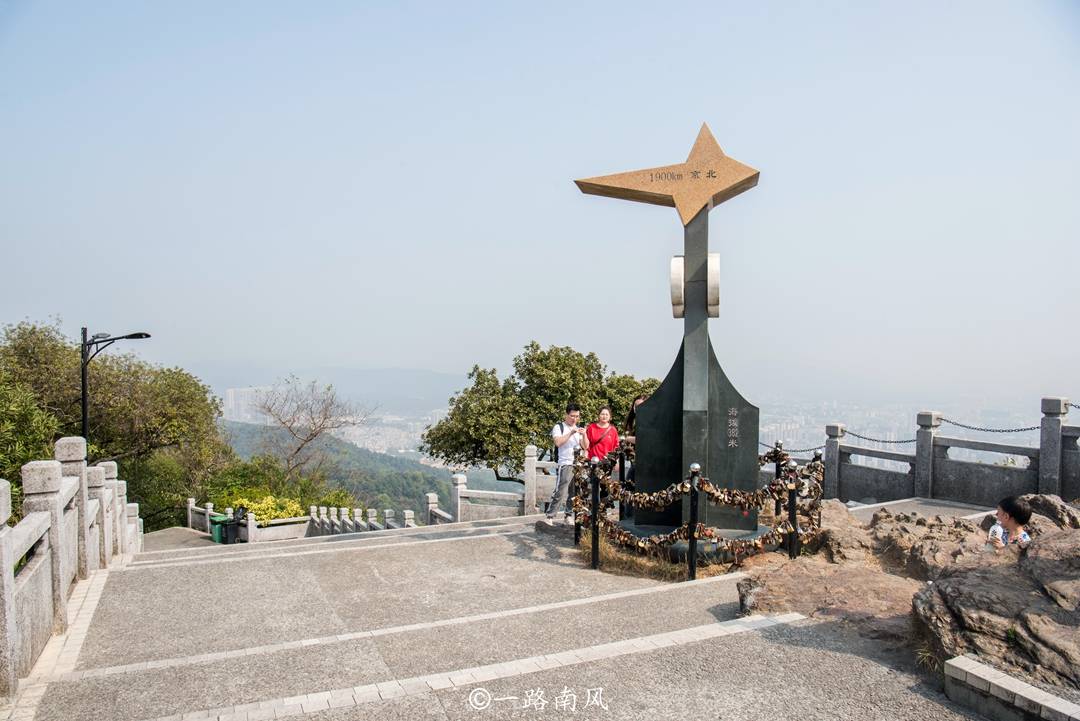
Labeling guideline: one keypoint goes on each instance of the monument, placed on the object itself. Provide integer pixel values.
(697, 415)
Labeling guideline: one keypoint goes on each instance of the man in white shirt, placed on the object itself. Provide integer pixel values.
(568, 437)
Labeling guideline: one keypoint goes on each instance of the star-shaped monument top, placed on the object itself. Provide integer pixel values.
(706, 179)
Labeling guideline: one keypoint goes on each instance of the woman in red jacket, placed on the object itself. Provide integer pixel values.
(603, 438)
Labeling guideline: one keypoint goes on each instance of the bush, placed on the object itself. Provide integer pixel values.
(338, 498)
(269, 508)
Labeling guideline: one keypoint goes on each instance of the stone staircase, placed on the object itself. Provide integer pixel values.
(482, 620)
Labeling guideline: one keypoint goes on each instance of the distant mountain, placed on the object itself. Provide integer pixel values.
(392, 391)
(376, 479)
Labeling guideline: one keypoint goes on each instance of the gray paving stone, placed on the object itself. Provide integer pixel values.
(813, 672)
(225, 684)
(294, 598)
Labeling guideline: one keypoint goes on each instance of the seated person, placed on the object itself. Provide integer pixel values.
(1012, 514)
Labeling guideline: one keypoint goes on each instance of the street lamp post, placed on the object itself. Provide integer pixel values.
(96, 343)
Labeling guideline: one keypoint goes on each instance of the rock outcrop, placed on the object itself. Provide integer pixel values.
(1021, 610)
(843, 538)
(1018, 609)
(922, 547)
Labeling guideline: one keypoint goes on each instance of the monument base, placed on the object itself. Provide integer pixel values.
(706, 552)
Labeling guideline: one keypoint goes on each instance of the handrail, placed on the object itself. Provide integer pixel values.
(281, 521)
(986, 446)
(491, 495)
(69, 486)
(877, 453)
(31, 529)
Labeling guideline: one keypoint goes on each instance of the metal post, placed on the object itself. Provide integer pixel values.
(776, 475)
(691, 543)
(594, 519)
(574, 505)
(793, 519)
(84, 362)
(622, 482)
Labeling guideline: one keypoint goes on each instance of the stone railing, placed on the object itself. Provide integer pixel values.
(494, 504)
(75, 520)
(1053, 467)
(320, 521)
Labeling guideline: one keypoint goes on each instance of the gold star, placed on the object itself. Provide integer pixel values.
(706, 179)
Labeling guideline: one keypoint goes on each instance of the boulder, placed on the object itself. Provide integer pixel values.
(843, 538)
(1018, 609)
(923, 547)
(857, 595)
(1061, 513)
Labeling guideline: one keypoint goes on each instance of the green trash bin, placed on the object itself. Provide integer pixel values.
(217, 529)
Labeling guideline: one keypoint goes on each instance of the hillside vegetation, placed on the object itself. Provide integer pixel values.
(377, 480)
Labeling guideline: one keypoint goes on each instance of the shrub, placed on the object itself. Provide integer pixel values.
(338, 498)
(269, 508)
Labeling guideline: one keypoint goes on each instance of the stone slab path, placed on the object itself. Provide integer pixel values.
(928, 507)
(467, 621)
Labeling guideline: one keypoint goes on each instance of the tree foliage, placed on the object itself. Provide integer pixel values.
(158, 423)
(490, 422)
(354, 477)
(26, 433)
(135, 407)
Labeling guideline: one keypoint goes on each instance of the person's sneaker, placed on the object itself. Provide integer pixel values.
(549, 521)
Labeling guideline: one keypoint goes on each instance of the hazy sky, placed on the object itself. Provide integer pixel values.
(289, 185)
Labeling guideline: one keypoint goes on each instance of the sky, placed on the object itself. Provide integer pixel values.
(269, 186)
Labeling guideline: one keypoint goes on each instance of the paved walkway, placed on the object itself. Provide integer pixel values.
(928, 507)
(472, 621)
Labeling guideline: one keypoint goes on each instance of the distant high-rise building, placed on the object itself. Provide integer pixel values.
(242, 405)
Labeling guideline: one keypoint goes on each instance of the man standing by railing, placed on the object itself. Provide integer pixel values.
(568, 437)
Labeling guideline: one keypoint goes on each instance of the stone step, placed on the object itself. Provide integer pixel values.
(238, 550)
(447, 647)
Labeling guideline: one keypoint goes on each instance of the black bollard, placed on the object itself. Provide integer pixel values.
(691, 543)
(793, 519)
(622, 482)
(577, 520)
(779, 505)
(594, 481)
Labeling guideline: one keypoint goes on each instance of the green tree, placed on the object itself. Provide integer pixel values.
(490, 422)
(158, 423)
(26, 433)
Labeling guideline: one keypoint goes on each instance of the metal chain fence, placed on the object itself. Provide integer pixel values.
(875, 440)
(1073, 405)
(989, 430)
(793, 450)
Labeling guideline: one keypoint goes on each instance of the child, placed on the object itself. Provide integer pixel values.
(1012, 514)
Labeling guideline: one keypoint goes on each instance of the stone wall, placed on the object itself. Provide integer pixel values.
(1052, 468)
(981, 484)
(873, 485)
(33, 610)
(1070, 462)
(69, 512)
